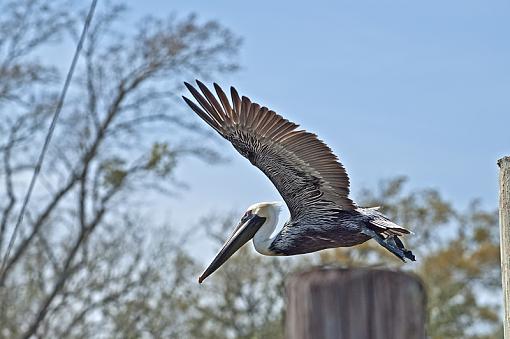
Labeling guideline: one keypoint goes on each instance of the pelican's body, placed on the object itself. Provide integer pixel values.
(311, 180)
(317, 232)
(320, 234)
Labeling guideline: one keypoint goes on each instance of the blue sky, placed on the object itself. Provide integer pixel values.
(411, 88)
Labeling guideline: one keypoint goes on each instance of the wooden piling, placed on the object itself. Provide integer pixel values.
(504, 224)
(355, 303)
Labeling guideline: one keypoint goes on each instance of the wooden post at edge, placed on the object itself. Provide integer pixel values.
(504, 223)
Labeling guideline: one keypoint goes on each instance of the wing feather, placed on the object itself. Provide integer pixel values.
(236, 103)
(205, 105)
(202, 114)
(224, 102)
(218, 110)
(245, 109)
(252, 115)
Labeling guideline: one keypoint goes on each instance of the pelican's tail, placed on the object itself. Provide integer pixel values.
(393, 244)
(386, 233)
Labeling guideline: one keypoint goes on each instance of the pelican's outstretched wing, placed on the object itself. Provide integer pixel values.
(302, 167)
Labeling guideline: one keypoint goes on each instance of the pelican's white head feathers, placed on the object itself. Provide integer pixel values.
(266, 209)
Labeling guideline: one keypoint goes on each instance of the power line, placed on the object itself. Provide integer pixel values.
(58, 109)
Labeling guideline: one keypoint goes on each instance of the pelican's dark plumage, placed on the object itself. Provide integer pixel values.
(309, 177)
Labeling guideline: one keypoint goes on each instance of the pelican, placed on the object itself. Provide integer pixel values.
(306, 173)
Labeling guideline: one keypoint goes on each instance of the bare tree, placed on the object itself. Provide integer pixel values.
(80, 248)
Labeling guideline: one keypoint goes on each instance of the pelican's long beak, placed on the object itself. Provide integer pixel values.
(241, 235)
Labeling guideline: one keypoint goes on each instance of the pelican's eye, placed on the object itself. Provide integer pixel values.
(246, 216)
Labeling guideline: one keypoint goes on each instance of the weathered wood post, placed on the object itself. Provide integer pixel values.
(504, 223)
(355, 303)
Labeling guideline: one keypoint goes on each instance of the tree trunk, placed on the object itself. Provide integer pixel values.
(355, 303)
(504, 222)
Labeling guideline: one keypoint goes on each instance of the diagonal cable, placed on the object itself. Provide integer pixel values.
(56, 114)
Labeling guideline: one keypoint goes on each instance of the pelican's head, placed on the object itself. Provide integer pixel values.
(250, 223)
(265, 209)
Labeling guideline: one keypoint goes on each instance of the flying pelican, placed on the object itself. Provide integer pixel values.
(308, 176)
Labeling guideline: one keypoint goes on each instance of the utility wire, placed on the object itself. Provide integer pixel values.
(40, 160)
